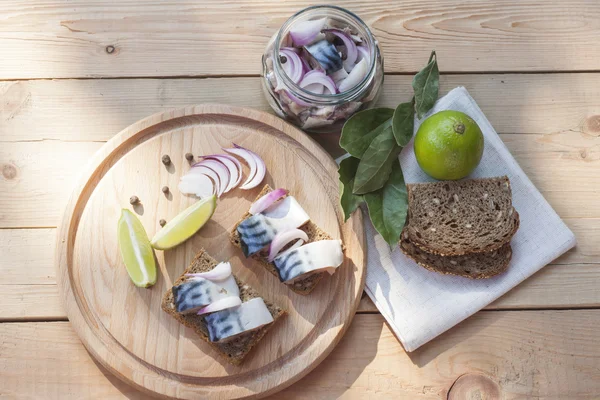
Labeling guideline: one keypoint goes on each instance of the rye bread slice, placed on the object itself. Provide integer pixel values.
(452, 218)
(314, 233)
(235, 350)
(474, 266)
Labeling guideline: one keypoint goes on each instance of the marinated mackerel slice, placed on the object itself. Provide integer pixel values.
(311, 258)
(257, 231)
(196, 293)
(461, 217)
(227, 324)
(474, 266)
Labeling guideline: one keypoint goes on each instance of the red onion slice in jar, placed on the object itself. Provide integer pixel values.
(363, 53)
(267, 200)
(283, 238)
(292, 66)
(222, 304)
(338, 76)
(319, 77)
(351, 51)
(306, 31)
(355, 76)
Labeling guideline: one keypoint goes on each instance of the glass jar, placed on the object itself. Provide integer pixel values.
(328, 111)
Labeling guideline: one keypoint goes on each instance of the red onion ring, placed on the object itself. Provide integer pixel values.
(220, 272)
(363, 52)
(283, 238)
(222, 304)
(256, 164)
(293, 66)
(320, 78)
(233, 166)
(355, 76)
(267, 200)
(304, 32)
(221, 171)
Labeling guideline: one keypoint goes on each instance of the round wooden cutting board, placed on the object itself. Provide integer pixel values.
(123, 326)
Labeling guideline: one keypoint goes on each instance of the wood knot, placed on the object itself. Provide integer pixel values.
(9, 171)
(474, 387)
(110, 49)
(591, 125)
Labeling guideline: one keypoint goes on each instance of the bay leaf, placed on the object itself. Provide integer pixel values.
(376, 164)
(363, 127)
(403, 123)
(349, 201)
(388, 206)
(426, 85)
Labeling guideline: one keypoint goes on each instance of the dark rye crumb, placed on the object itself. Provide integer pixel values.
(461, 217)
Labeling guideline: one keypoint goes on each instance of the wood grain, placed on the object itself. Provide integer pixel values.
(29, 287)
(204, 38)
(533, 354)
(103, 305)
(99, 108)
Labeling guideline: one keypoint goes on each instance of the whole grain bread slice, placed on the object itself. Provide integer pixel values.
(235, 350)
(314, 233)
(474, 265)
(452, 218)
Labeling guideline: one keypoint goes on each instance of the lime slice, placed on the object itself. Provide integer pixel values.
(136, 250)
(185, 224)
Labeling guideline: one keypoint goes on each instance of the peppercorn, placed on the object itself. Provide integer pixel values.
(283, 59)
(166, 159)
(165, 189)
(189, 156)
(162, 222)
(134, 200)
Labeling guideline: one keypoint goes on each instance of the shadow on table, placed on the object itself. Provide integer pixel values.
(128, 391)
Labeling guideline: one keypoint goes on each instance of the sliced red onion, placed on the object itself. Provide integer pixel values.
(338, 76)
(296, 99)
(306, 31)
(233, 166)
(198, 184)
(355, 76)
(283, 238)
(203, 170)
(220, 272)
(356, 38)
(256, 164)
(221, 171)
(363, 53)
(351, 51)
(316, 88)
(293, 66)
(222, 304)
(320, 78)
(267, 200)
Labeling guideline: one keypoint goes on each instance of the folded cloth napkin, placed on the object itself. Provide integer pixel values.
(419, 304)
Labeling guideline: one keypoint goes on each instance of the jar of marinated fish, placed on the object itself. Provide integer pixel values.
(322, 66)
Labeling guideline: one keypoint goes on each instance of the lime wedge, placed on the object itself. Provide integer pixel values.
(185, 224)
(136, 251)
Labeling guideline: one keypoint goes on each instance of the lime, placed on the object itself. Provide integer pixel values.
(448, 145)
(185, 224)
(136, 251)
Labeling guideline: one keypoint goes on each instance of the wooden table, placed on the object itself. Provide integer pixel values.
(73, 74)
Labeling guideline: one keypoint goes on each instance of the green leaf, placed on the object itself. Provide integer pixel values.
(388, 207)
(403, 123)
(426, 85)
(362, 128)
(348, 200)
(376, 164)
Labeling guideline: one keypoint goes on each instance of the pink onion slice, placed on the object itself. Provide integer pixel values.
(197, 184)
(351, 52)
(306, 31)
(256, 164)
(283, 238)
(355, 76)
(267, 200)
(221, 171)
(319, 77)
(220, 272)
(363, 53)
(233, 166)
(222, 304)
(204, 170)
(293, 66)
(338, 76)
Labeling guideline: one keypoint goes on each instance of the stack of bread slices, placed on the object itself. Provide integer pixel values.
(461, 227)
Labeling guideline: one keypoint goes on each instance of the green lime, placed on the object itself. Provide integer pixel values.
(448, 145)
(185, 224)
(136, 251)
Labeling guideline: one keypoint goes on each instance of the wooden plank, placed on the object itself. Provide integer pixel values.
(525, 354)
(29, 292)
(37, 177)
(96, 109)
(186, 37)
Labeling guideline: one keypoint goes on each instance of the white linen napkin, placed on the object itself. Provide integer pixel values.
(419, 304)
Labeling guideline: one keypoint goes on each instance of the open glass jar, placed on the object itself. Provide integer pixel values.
(322, 66)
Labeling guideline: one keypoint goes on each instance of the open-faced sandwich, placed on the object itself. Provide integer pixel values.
(226, 313)
(279, 234)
